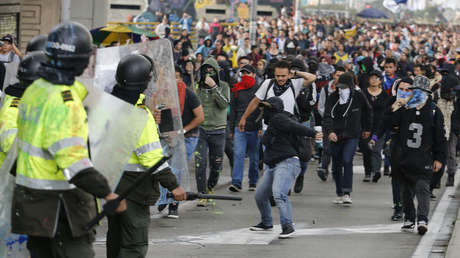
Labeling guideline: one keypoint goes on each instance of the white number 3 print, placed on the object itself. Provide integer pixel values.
(416, 140)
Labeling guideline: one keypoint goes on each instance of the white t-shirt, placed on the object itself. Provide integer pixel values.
(287, 97)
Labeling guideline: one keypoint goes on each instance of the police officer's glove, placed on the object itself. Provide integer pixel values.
(114, 204)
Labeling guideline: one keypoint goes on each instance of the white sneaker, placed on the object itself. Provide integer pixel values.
(338, 200)
(347, 200)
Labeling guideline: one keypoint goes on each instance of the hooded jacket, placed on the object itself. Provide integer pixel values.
(281, 133)
(214, 101)
(350, 119)
(203, 49)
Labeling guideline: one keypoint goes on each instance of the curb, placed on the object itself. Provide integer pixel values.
(453, 248)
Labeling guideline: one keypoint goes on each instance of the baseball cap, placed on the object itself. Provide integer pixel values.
(248, 68)
(422, 83)
(7, 38)
(376, 73)
(346, 80)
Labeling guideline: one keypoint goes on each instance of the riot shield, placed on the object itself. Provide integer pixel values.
(12, 245)
(114, 125)
(161, 92)
(114, 129)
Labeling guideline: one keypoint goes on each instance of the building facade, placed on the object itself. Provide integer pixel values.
(25, 19)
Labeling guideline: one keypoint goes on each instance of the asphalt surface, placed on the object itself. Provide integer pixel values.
(323, 229)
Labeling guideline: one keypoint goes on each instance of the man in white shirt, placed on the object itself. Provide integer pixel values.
(10, 57)
(282, 86)
(160, 30)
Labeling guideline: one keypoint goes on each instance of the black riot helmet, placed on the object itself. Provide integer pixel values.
(135, 72)
(37, 43)
(69, 47)
(28, 68)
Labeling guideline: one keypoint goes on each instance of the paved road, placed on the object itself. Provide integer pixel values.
(323, 228)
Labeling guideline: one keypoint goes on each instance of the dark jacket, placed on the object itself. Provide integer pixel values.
(350, 119)
(379, 104)
(455, 119)
(281, 135)
(422, 138)
(387, 118)
(237, 107)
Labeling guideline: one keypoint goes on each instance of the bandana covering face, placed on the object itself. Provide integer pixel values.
(403, 94)
(246, 83)
(344, 94)
(418, 98)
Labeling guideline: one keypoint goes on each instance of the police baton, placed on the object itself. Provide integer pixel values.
(110, 206)
(193, 196)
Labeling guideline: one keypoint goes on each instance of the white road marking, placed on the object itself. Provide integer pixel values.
(244, 236)
(425, 245)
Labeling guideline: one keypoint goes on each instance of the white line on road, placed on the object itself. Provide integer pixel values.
(244, 236)
(425, 245)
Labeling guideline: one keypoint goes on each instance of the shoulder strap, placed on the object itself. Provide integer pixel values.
(270, 85)
(296, 107)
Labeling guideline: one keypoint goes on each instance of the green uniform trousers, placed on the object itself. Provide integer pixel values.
(63, 245)
(128, 232)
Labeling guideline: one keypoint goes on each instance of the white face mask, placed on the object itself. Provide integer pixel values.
(344, 94)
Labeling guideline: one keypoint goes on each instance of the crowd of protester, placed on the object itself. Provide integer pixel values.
(354, 72)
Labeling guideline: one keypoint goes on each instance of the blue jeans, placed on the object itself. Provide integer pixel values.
(241, 141)
(277, 181)
(342, 164)
(190, 145)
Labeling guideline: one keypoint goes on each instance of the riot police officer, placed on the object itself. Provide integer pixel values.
(27, 73)
(55, 179)
(128, 232)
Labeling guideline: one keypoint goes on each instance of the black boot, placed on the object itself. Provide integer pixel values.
(298, 184)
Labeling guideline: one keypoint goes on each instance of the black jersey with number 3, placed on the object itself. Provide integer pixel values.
(421, 137)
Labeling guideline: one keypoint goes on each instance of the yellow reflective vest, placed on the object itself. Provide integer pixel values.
(8, 124)
(52, 136)
(147, 153)
(148, 149)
